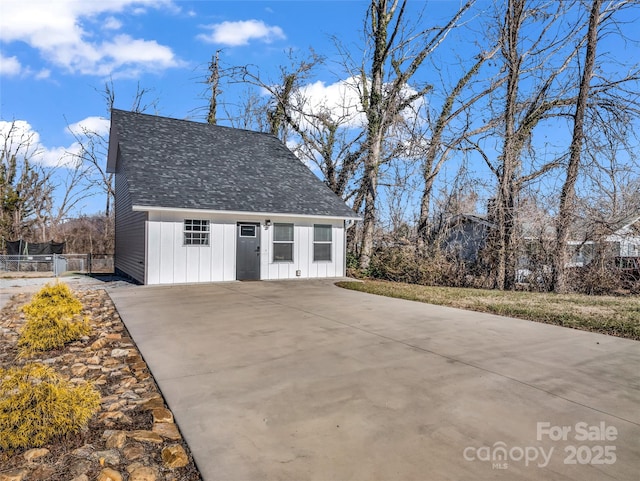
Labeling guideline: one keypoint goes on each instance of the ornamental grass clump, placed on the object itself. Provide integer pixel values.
(37, 405)
(53, 319)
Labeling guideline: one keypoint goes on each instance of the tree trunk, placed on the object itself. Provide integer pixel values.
(567, 197)
(425, 208)
(383, 100)
(214, 81)
(510, 152)
(371, 181)
(380, 18)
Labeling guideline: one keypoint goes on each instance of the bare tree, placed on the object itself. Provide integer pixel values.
(214, 83)
(384, 96)
(72, 186)
(248, 111)
(319, 134)
(142, 100)
(90, 168)
(439, 148)
(25, 186)
(87, 234)
(622, 107)
(326, 142)
(536, 51)
(285, 107)
(567, 197)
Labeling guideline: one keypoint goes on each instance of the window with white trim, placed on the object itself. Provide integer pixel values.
(322, 242)
(282, 242)
(196, 232)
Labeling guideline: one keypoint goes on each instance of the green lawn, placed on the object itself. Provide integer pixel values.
(616, 316)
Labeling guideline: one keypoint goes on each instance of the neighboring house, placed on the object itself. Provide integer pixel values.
(465, 235)
(622, 243)
(625, 238)
(581, 253)
(201, 203)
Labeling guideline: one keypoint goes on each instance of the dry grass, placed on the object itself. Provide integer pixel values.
(616, 316)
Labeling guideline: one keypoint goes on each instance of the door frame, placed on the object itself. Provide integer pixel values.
(258, 242)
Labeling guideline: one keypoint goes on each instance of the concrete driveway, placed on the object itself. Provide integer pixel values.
(306, 381)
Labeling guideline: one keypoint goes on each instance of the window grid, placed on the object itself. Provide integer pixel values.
(282, 242)
(196, 232)
(322, 242)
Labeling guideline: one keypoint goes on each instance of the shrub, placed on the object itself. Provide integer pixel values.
(397, 264)
(403, 264)
(36, 405)
(352, 260)
(53, 320)
(596, 279)
(54, 300)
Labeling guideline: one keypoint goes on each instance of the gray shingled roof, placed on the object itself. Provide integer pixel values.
(190, 165)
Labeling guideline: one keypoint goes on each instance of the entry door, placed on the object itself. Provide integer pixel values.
(248, 252)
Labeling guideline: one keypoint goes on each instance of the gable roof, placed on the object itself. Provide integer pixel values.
(625, 223)
(179, 164)
(470, 218)
(529, 228)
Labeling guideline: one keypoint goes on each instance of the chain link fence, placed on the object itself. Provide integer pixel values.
(57, 264)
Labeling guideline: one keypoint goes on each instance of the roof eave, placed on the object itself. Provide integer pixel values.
(628, 223)
(144, 208)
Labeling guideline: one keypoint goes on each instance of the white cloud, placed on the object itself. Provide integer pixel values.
(342, 103)
(112, 23)
(126, 56)
(340, 100)
(43, 74)
(24, 141)
(19, 137)
(57, 30)
(239, 33)
(60, 156)
(124, 49)
(99, 125)
(9, 66)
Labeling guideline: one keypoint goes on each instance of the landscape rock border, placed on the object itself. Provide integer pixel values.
(132, 438)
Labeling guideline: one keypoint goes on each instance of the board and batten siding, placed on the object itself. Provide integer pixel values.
(169, 261)
(130, 231)
(303, 251)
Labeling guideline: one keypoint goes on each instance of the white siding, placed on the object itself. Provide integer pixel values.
(129, 231)
(171, 262)
(303, 252)
(629, 245)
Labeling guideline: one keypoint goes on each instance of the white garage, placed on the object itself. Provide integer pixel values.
(204, 203)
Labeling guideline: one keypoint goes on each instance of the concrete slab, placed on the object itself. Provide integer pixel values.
(306, 381)
(14, 283)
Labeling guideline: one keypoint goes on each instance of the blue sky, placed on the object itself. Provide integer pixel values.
(56, 55)
(53, 64)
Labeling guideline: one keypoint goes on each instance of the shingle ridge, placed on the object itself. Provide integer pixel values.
(195, 122)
